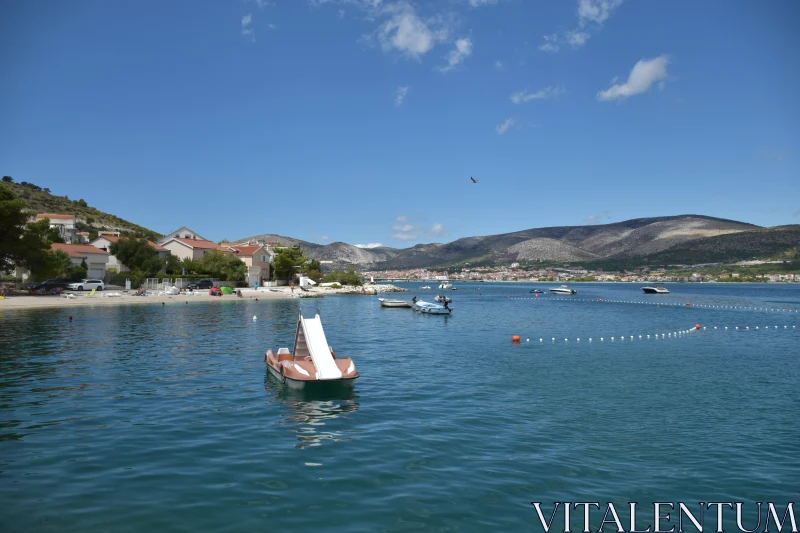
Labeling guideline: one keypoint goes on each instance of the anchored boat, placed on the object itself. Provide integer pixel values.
(431, 308)
(311, 361)
(385, 302)
(563, 290)
(655, 290)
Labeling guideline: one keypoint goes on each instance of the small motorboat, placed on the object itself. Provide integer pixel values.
(655, 290)
(445, 285)
(431, 308)
(442, 299)
(385, 302)
(425, 288)
(312, 361)
(536, 291)
(563, 290)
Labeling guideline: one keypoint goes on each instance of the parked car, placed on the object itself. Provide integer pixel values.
(201, 284)
(87, 285)
(47, 286)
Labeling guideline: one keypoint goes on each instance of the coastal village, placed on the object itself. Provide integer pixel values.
(185, 243)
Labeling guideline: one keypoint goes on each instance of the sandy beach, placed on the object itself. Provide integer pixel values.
(105, 298)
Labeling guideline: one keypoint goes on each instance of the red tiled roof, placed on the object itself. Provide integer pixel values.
(203, 245)
(246, 250)
(115, 238)
(76, 250)
(51, 215)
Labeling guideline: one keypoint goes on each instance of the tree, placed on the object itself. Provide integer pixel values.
(22, 244)
(137, 254)
(223, 265)
(173, 264)
(8, 179)
(82, 203)
(313, 269)
(286, 262)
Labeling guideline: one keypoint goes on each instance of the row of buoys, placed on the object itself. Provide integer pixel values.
(674, 334)
(666, 304)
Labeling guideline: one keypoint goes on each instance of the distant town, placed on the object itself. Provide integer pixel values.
(515, 272)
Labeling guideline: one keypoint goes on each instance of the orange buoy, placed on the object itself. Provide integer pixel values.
(688, 304)
(515, 338)
(697, 326)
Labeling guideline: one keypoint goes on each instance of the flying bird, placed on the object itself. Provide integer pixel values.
(473, 179)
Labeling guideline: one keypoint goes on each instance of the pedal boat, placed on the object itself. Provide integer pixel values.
(312, 362)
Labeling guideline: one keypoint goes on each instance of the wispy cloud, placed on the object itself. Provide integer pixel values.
(263, 3)
(400, 95)
(247, 27)
(550, 43)
(324, 238)
(772, 155)
(796, 214)
(401, 218)
(643, 75)
(498, 64)
(462, 51)
(408, 232)
(598, 218)
(503, 127)
(592, 14)
(479, 3)
(369, 245)
(520, 97)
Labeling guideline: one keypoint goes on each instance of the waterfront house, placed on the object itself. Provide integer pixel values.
(65, 224)
(96, 259)
(103, 242)
(257, 259)
(194, 249)
(182, 233)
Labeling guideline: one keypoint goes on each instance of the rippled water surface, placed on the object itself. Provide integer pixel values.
(137, 418)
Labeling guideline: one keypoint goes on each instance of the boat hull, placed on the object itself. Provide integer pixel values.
(395, 304)
(563, 291)
(654, 290)
(298, 384)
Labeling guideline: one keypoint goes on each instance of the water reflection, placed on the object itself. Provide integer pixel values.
(307, 412)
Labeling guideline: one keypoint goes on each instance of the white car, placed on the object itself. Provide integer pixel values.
(87, 285)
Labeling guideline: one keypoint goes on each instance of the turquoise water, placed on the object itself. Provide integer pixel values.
(164, 418)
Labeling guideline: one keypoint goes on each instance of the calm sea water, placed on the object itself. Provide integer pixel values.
(165, 419)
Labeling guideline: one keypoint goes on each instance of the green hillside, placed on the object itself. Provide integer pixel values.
(40, 200)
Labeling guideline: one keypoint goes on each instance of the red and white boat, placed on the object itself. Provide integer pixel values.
(312, 361)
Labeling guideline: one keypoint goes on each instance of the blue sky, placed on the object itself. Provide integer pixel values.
(362, 120)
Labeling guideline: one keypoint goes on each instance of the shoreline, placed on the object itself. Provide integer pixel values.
(102, 299)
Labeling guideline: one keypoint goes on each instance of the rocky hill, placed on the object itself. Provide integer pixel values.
(41, 200)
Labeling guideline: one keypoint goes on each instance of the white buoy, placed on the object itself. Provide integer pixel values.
(540, 340)
(590, 339)
(579, 339)
(255, 318)
(527, 340)
(612, 338)
(601, 339)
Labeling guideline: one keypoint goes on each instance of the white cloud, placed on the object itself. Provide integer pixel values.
(598, 218)
(369, 245)
(406, 32)
(644, 74)
(263, 3)
(550, 43)
(576, 39)
(405, 228)
(498, 64)
(400, 96)
(271, 26)
(502, 128)
(438, 229)
(596, 11)
(479, 3)
(521, 97)
(247, 27)
(462, 51)
(401, 218)
(324, 238)
(409, 236)
(410, 232)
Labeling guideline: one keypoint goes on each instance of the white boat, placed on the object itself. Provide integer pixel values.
(563, 290)
(385, 302)
(431, 308)
(655, 290)
(445, 285)
(425, 288)
(442, 299)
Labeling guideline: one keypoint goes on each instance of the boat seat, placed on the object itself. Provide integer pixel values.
(283, 351)
(284, 354)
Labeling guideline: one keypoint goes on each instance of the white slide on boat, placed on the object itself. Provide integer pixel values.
(319, 350)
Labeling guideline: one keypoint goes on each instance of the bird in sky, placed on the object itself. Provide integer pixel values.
(473, 179)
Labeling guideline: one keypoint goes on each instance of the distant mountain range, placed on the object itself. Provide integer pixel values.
(658, 240)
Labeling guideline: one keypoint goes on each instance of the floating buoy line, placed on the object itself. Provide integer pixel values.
(674, 334)
(660, 304)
